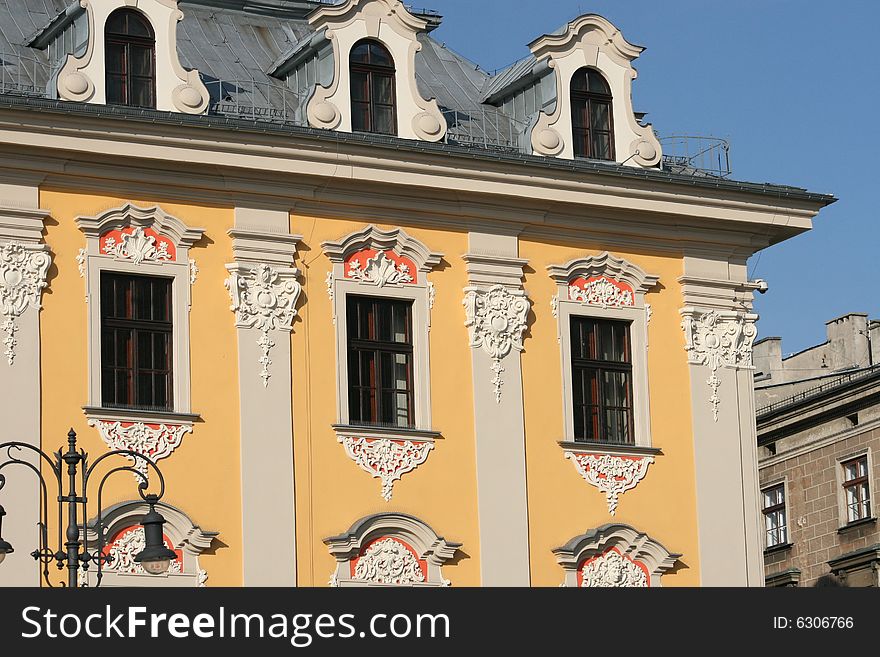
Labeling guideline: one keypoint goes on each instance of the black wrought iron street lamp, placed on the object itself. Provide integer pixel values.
(74, 553)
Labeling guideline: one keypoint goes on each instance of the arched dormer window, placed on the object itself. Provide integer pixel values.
(372, 88)
(130, 45)
(591, 121)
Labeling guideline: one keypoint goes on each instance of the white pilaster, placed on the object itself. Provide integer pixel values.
(21, 223)
(719, 329)
(264, 290)
(495, 272)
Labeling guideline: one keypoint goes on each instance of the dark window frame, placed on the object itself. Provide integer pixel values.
(583, 103)
(373, 414)
(776, 508)
(859, 483)
(595, 369)
(364, 113)
(122, 83)
(114, 328)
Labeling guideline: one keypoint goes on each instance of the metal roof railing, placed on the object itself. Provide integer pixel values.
(815, 391)
(698, 156)
(483, 127)
(21, 74)
(254, 99)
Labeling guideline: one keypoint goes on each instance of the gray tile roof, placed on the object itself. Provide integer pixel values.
(235, 45)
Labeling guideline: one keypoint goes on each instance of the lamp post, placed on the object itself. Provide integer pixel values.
(74, 553)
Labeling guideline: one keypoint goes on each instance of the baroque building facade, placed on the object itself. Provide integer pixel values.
(381, 318)
(817, 418)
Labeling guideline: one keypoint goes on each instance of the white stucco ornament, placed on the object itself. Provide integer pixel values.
(264, 298)
(386, 459)
(613, 475)
(496, 320)
(612, 570)
(380, 270)
(137, 247)
(156, 441)
(602, 292)
(389, 562)
(719, 339)
(23, 269)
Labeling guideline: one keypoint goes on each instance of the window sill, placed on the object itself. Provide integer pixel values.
(116, 414)
(391, 433)
(855, 524)
(782, 547)
(609, 448)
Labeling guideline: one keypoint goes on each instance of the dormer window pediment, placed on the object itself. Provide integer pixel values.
(130, 58)
(373, 95)
(593, 115)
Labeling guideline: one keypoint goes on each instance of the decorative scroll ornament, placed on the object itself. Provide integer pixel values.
(385, 458)
(329, 283)
(380, 270)
(81, 262)
(264, 298)
(496, 319)
(22, 278)
(389, 562)
(602, 292)
(717, 340)
(138, 247)
(193, 272)
(155, 441)
(612, 569)
(611, 474)
(126, 547)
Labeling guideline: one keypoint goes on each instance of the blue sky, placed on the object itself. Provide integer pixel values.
(792, 84)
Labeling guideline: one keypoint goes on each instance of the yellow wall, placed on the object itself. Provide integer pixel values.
(332, 492)
(203, 474)
(561, 504)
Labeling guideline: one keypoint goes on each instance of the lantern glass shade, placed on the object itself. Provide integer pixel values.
(156, 567)
(5, 548)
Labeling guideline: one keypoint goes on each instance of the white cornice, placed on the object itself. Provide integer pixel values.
(438, 186)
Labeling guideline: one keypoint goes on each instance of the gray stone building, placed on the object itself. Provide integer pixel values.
(818, 422)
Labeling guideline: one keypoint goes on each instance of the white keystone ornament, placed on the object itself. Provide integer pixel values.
(496, 319)
(23, 269)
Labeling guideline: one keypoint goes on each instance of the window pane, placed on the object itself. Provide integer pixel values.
(599, 119)
(360, 117)
(360, 53)
(141, 60)
(601, 146)
(141, 93)
(115, 58)
(360, 86)
(383, 89)
(379, 56)
(383, 120)
(597, 83)
(617, 426)
(138, 26)
(616, 389)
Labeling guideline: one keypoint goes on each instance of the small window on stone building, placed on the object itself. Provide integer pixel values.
(856, 489)
(601, 367)
(775, 522)
(591, 115)
(372, 89)
(136, 341)
(130, 45)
